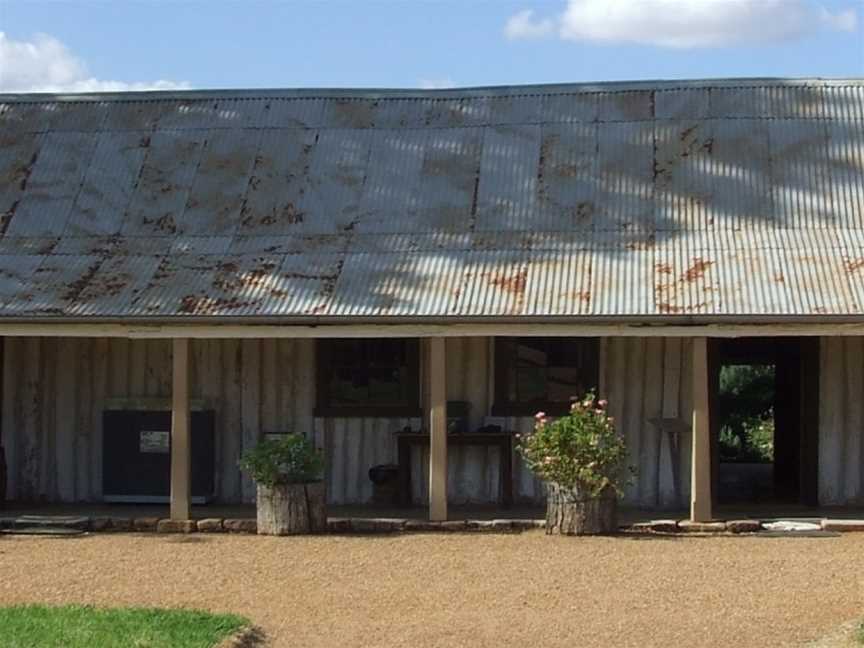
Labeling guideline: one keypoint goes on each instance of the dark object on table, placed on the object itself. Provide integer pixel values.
(385, 484)
(490, 429)
(383, 473)
(457, 416)
(502, 440)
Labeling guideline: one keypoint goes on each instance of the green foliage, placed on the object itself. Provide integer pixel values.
(753, 443)
(80, 626)
(760, 439)
(290, 459)
(745, 405)
(730, 444)
(580, 451)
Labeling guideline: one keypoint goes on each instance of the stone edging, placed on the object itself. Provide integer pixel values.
(733, 526)
(250, 525)
(109, 524)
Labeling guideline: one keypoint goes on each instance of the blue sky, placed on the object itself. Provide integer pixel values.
(414, 43)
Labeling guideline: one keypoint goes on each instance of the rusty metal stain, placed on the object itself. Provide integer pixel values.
(514, 284)
(612, 199)
(853, 265)
(697, 270)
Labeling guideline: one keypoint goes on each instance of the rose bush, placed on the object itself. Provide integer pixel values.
(580, 451)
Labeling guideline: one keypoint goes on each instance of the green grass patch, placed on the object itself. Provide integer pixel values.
(74, 626)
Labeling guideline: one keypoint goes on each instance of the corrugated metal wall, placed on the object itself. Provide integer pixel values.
(645, 379)
(841, 421)
(356, 444)
(56, 390)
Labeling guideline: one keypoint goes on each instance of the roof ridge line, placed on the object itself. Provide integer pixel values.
(587, 87)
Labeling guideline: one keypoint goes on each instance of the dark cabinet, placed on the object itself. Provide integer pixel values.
(136, 456)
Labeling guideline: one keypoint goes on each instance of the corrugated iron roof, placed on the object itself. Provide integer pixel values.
(649, 199)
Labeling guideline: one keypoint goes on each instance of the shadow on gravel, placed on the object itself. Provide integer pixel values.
(251, 637)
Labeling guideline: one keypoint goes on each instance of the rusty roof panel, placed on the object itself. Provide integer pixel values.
(201, 245)
(220, 183)
(311, 245)
(686, 104)
(621, 281)
(451, 159)
(625, 177)
(136, 115)
(393, 284)
(507, 179)
(631, 105)
(333, 184)
(768, 101)
(44, 116)
(278, 178)
(568, 107)
(37, 246)
(119, 278)
(494, 283)
(845, 153)
(801, 179)
(53, 285)
(391, 194)
(163, 184)
(304, 284)
(567, 180)
(16, 273)
(18, 156)
(109, 184)
(282, 112)
(52, 184)
(640, 199)
(178, 284)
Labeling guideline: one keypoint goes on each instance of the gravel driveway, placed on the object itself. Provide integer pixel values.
(462, 589)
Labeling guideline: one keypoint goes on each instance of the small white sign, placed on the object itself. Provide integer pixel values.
(154, 442)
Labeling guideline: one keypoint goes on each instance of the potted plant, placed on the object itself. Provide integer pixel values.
(292, 497)
(582, 459)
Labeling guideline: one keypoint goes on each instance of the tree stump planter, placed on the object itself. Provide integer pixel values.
(292, 509)
(570, 513)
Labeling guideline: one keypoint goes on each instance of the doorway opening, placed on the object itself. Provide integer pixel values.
(764, 420)
(746, 409)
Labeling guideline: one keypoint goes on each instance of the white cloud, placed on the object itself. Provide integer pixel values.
(436, 84)
(45, 64)
(841, 21)
(522, 25)
(684, 23)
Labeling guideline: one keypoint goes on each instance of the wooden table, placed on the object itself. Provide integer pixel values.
(502, 440)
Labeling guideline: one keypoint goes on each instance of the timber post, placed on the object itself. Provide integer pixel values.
(181, 455)
(700, 481)
(437, 417)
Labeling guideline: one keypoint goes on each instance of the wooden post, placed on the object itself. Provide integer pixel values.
(700, 481)
(437, 408)
(181, 456)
